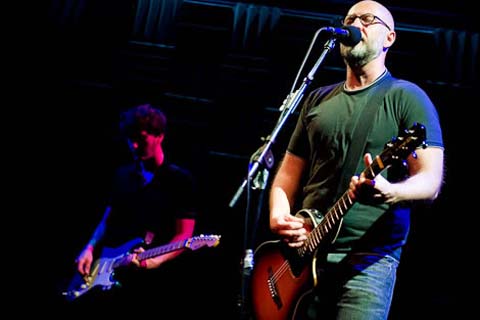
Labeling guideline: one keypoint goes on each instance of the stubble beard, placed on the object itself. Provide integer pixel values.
(359, 55)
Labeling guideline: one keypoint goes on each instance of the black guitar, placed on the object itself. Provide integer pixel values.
(283, 276)
(102, 271)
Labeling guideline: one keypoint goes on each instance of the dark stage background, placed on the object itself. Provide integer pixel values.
(220, 70)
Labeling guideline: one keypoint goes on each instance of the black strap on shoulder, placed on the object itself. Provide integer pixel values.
(362, 127)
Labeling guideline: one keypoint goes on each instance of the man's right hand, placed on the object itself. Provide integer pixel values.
(84, 260)
(290, 228)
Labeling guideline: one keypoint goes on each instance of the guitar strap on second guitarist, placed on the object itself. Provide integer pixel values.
(362, 127)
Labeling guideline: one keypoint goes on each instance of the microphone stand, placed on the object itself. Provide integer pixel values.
(263, 159)
(139, 166)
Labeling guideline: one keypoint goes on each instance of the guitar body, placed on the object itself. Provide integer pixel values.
(102, 271)
(281, 278)
(278, 287)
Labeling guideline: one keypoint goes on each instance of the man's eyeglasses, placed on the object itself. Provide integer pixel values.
(366, 19)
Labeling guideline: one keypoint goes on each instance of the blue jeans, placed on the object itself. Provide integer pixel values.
(358, 287)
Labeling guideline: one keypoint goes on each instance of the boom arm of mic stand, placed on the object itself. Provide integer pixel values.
(289, 106)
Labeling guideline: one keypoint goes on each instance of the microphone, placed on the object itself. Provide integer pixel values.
(348, 35)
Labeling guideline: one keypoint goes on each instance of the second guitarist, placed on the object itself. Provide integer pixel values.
(361, 263)
(154, 200)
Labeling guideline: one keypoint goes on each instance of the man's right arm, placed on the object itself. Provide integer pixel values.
(282, 198)
(85, 259)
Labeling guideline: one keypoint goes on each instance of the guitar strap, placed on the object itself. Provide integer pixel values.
(362, 127)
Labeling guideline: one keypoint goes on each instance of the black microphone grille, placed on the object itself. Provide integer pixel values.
(355, 35)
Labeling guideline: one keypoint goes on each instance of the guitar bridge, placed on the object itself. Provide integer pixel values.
(272, 288)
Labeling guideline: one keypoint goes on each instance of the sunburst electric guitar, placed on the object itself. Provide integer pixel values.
(102, 271)
(282, 276)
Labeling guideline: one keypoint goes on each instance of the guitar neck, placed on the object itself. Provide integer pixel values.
(154, 252)
(335, 214)
(191, 243)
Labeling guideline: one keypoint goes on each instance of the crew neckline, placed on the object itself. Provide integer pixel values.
(364, 88)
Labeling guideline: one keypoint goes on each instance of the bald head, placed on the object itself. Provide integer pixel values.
(370, 6)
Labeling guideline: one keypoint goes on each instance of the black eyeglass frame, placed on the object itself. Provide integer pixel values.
(365, 23)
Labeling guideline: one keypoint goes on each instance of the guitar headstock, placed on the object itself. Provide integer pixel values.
(203, 240)
(399, 148)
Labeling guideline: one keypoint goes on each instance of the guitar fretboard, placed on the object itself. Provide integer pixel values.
(333, 217)
(161, 250)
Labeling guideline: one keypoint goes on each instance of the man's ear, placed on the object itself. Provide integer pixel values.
(160, 137)
(389, 40)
